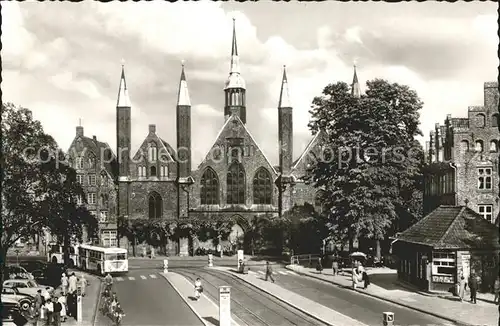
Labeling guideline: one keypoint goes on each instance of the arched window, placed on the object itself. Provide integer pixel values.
(152, 171)
(262, 187)
(236, 184)
(494, 120)
(92, 161)
(153, 152)
(493, 146)
(480, 120)
(479, 146)
(141, 171)
(464, 146)
(209, 192)
(155, 205)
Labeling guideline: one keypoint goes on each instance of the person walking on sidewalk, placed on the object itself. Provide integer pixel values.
(64, 283)
(198, 288)
(355, 276)
(57, 311)
(473, 287)
(62, 301)
(335, 266)
(319, 266)
(269, 272)
(462, 285)
(83, 284)
(496, 290)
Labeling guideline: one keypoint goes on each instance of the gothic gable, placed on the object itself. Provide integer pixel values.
(309, 156)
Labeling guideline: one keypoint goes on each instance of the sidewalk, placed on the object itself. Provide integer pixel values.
(384, 286)
(205, 309)
(309, 307)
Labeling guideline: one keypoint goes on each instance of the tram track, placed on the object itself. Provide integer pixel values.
(250, 304)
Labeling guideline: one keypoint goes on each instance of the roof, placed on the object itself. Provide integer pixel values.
(97, 148)
(452, 227)
(107, 250)
(162, 145)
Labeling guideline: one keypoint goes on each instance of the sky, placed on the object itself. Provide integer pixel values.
(63, 61)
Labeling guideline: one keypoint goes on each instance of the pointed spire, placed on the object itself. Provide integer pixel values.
(234, 80)
(123, 99)
(183, 96)
(356, 90)
(284, 93)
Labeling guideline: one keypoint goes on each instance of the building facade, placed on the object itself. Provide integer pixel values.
(462, 160)
(235, 180)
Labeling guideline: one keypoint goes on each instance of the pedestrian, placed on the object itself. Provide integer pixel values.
(319, 266)
(473, 287)
(83, 284)
(38, 301)
(49, 307)
(198, 288)
(46, 294)
(355, 277)
(363, 275)
(462, 286)
(62, 301)
(72, 283)
(335, 266)
(496, 290)
(64, 283)
(269, 272)
(57, 311)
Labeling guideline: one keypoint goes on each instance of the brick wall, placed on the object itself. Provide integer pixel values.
(139, 192)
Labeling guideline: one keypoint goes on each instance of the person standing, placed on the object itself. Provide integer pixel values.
(49, 306)
(473, 287)
(364, 275)
(46, 294)
(269, 272)
(57, 311)
(197, 288)
(335, 266)
(462, 285)
(319, 266)
(38, 302)
(62, 301)
(496, 290)
(64, 283)
(83, 284)
(355, 277)
(72, 283)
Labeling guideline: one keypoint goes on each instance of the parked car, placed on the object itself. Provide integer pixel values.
(9, 306)
(13, 271)
(32, 265)
(13, 293)
(28, 287)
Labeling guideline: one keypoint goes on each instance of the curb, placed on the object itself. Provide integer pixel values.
(206, 323)
(284, 301)
(96, 308)
(458, 322)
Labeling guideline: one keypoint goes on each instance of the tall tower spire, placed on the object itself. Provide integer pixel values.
(284, 94)
(285, 127)
(183, 96)
(355, 90)
(123, 99)
(235, 88)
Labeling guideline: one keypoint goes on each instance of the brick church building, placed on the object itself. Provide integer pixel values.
(235, 180)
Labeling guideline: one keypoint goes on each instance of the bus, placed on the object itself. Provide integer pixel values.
(56, 254)
(102, 260)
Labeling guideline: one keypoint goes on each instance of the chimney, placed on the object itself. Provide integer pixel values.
(448, 116)
(79, 131)
(152, 129)
(94, 138)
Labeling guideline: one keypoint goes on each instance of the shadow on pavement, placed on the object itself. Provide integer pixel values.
(387, 282)
(192, 298)
(212, 320)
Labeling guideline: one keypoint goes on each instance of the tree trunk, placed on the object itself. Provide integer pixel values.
(3, 257)
(66, 244)
(379, 250)
(351, 240)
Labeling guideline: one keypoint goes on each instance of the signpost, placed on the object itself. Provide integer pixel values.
(240, 258)
(225, 306)
(210, 260)
(388, 319)
(165, 266)
(79, 318)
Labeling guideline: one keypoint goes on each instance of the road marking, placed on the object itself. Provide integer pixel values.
(152, 276)
(261, 272)
(119, 279)
(131, 278)
(251, 272)
(143, 277)
(292, 273)
(282, 273)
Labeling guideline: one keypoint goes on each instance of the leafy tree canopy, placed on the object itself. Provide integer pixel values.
(371, 162)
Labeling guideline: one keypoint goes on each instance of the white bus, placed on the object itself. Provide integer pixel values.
(102, 260)
(56, 255)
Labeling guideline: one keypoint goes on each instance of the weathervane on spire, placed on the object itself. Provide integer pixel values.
(123, 62)
(80, 122)
(183, 62)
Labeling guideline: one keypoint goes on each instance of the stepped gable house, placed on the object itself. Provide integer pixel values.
(235, 180)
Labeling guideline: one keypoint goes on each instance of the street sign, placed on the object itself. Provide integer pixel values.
(224, 306)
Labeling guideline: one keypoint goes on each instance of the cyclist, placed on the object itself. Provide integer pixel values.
(108, 280)
(118, 313)
(197, 288)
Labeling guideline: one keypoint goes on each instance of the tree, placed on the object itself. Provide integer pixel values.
(254, 232)
(370, 161)
(308, 228)
(37, 188)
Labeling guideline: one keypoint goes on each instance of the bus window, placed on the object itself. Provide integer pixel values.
(122, 256)
(116, 256)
